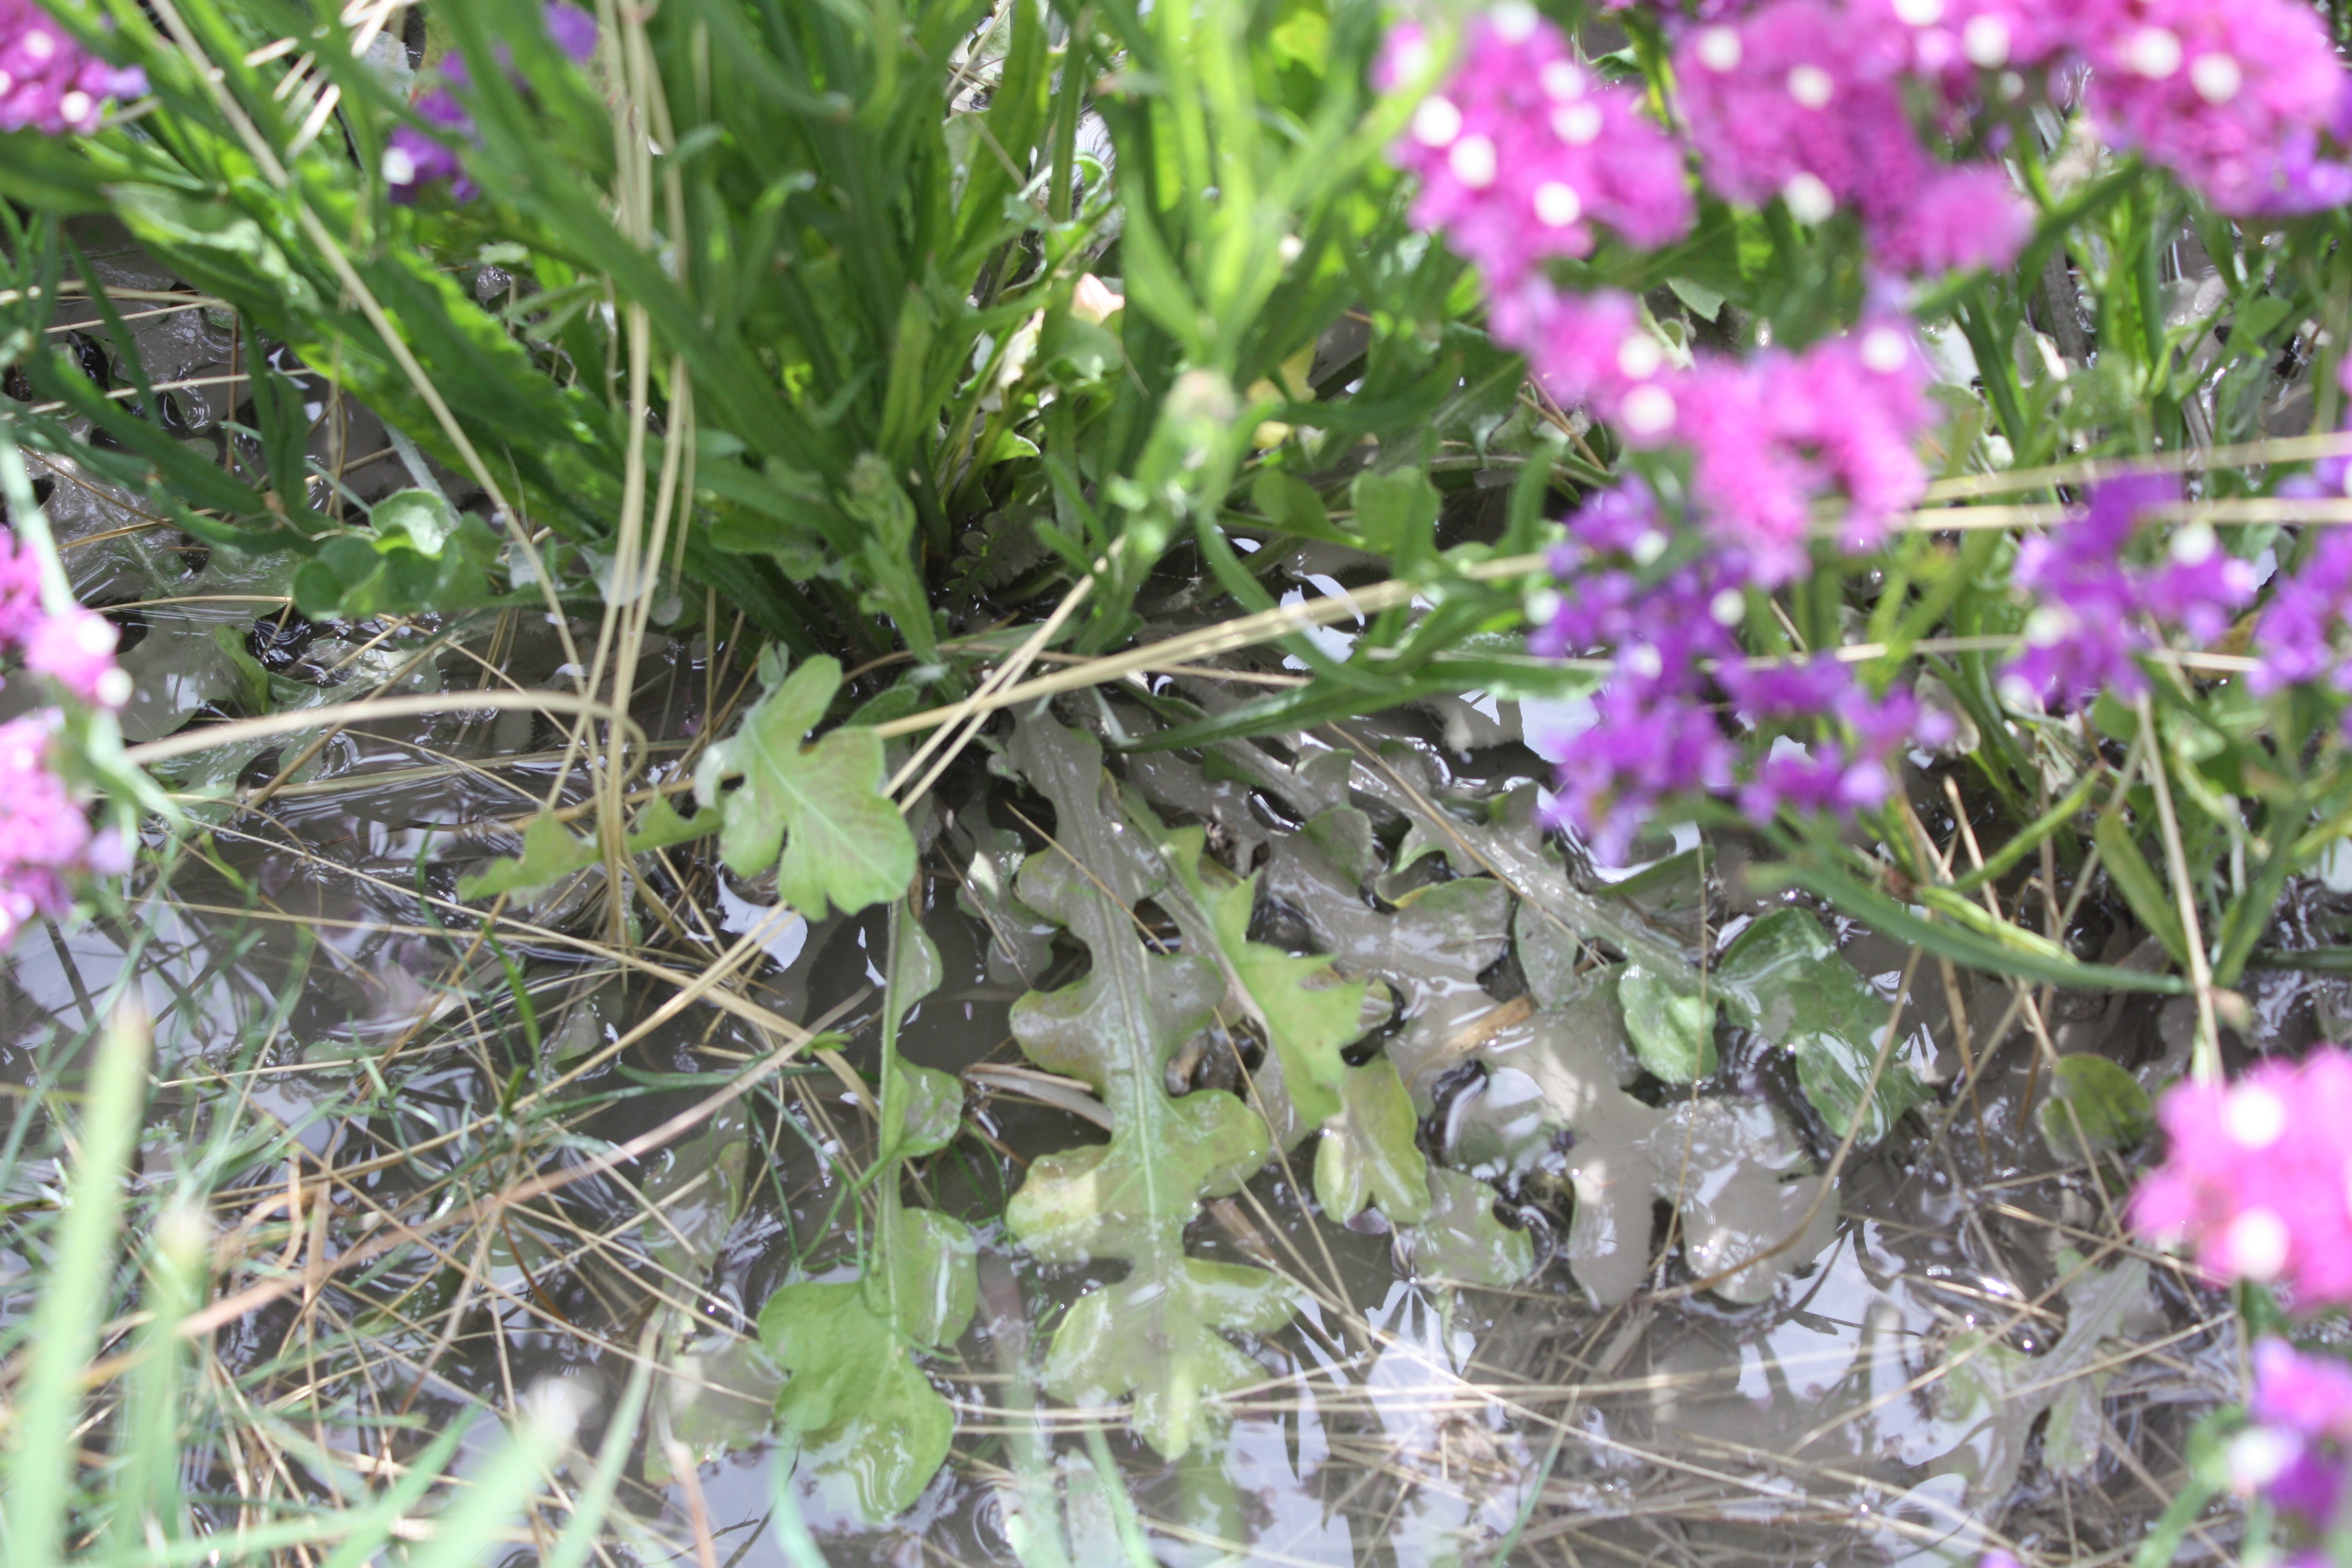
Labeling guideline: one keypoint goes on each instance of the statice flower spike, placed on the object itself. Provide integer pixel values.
(2257, 1181)
(1524, 152)
(49, 83)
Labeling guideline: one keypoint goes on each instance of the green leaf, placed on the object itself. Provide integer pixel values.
(551, 852)
(928, 1286)
(1784, 979)
(1156, 1333)
(1367, 1158)
(842, 841)
(1673, 1029)
(422, 555)
(2109, 1102)
(1308, 1012)
(1463, 1240)
(934, 1101)
(659, 827)
(1395, 512)
(863, 1415)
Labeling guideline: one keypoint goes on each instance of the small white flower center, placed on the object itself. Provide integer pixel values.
(2154, 52)
(1558, 205)
(2259, 1456)
(113, 688)
(1576, 124)
(1643, 661)
(1640, 356)
(38, 45)
(1920, 12)
(1514, 21)
(1810, 201)
(1811, 87)
(2256, 1246)
(76, 107)
(1719, 49)
(399, 168)
(2048, 626)
(1543, 605)
(2253, 1116)
(1474, 162)
(1649, 546)
(1650, 411)
(1437, 121)
(1561, 80)
(1728, 607)
(1985, 40)
(2216, 77)
(1884, 350)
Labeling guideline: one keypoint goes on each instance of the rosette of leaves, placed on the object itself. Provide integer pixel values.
(1159, 1333)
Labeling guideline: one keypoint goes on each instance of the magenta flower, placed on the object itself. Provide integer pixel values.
(45, 832)
(77, 650)
(2230, 95)
(2257, 1181)
(1524, 152)
(48, 82)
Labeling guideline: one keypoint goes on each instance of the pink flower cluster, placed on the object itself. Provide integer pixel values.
(2240, 99)
(1660, 729)
(48, 82)
(2257, 1179)
(46, 837)
(1771, 440)
(1806, 100)
(1525, 151)
(2097, 612)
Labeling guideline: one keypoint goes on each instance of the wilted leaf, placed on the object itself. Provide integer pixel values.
(1787, 981)
(842, 840)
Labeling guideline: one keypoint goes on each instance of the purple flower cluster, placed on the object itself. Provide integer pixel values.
(2256, 1178)
(46, 837)
(2097, 612)
(1680, 690)
(48, 82)
(1772, 438)
(2293, 1455)
(415, 159)
(1525, 151)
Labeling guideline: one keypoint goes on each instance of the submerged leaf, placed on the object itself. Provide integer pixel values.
(1463, 1240)
(1155, 1333)
(862, 1412)
(2109, 1104)
(1787, 981)
(1672, 1029)
(1368, 1158)
(842, 841)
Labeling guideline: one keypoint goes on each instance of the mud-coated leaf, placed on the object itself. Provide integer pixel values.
(1368, 1158)
(1463, 1240)
(861, 1412)
(1160, 1338)
(1787, 981)
(1157, 1333)
(928, 1287)
(1673, 1030)
(1308, 1012)
(841, 842)
(2109, 1102)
